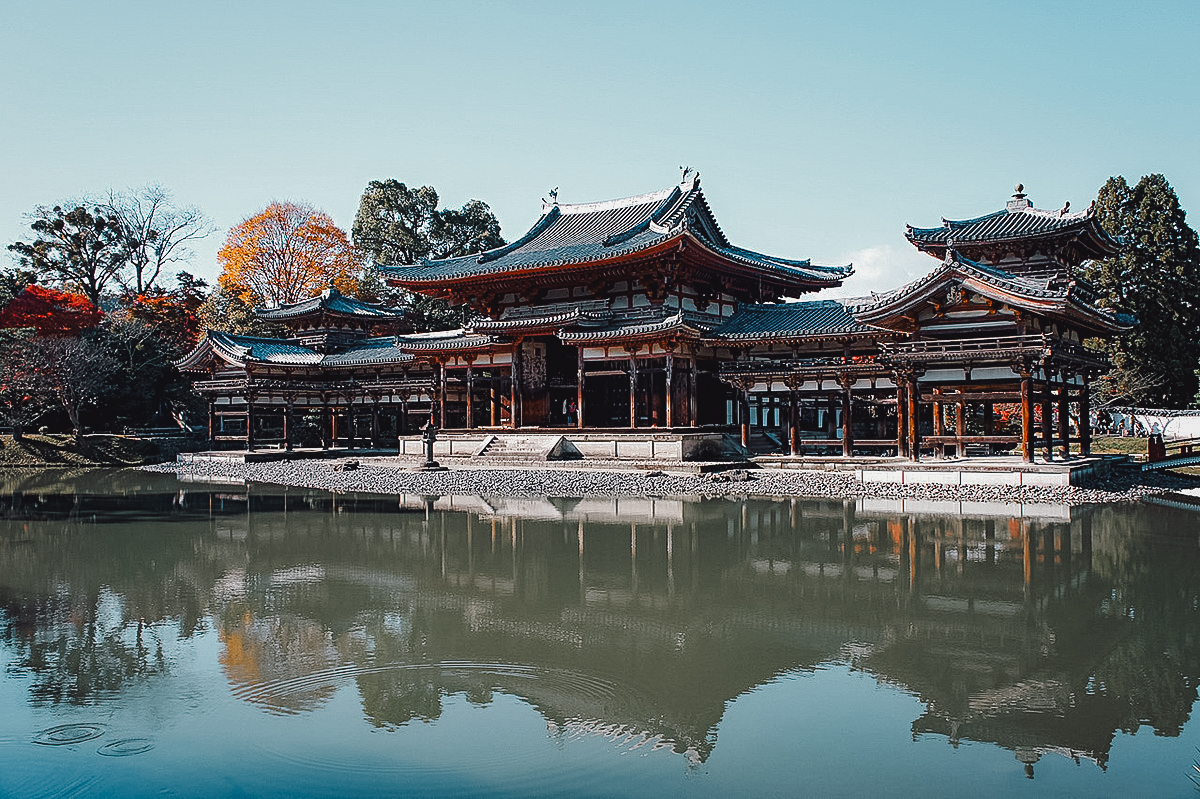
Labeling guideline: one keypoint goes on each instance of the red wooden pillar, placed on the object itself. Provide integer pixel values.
(847, 416)
(515, 413)
(287, 424)
(1085, 417)
(1047, 415)
(470, 393)
(794, 423)
(692, 367)
(212, 424)
(579, 389)
(913, 414)
(1064, 421)
(670, 379)
(633, 385)
(1027, 416)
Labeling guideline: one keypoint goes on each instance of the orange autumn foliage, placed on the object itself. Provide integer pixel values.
(175, 317)
(285, 254)
(52, 313)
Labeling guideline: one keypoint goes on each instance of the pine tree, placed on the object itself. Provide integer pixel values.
(1156, 278)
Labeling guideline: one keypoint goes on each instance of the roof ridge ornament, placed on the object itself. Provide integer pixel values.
(1020, 200)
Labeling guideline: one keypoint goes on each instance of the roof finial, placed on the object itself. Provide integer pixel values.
(1019, 200)
(687, 170)
(553, 197)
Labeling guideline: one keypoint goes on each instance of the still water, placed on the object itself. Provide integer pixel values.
(163, 637)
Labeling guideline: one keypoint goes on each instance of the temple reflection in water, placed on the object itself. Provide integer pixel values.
(1040, 629)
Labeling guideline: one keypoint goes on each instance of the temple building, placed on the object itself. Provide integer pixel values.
(639, 315)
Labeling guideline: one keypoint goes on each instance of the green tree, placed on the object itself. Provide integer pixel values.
(396, 225)
(1156, 278)
(79, 249)
(227, 311)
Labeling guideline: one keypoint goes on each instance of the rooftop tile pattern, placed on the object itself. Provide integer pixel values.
(792, 320)
(330, 301)
(593, 232)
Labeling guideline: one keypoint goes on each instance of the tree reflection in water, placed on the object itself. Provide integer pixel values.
(1037, 629)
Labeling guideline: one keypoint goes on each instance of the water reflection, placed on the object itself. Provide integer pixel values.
(1039, 629)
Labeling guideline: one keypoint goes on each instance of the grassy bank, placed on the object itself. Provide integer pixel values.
(93, 450)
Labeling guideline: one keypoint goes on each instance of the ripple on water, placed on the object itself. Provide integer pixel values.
(65, 734)
(530, 683)
(126, 747)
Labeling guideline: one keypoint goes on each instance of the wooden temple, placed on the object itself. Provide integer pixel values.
(639, 314)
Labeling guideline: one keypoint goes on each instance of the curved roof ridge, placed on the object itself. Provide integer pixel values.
(951, 224)
(1059, 214)
(621, 202)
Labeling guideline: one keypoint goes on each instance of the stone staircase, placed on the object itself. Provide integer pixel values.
(516, 448)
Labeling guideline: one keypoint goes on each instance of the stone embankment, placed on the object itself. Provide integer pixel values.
(383, 477)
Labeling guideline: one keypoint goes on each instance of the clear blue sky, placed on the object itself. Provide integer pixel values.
(820, 128)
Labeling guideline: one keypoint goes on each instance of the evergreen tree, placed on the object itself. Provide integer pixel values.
(1156, 278)
(396, 225)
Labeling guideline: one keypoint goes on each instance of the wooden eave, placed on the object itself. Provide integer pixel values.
(679, 260)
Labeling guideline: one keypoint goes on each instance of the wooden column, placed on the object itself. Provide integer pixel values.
(960, 428)
(901, 417)
(1047, 415)
(442, 378)
(515, 410)
(350, 440)
(744, 414)
(670, 379)
(913, 416)
(328, 424)
(989, 422)
(250, 422)
(1085, 417)
(287, 424)
(847, 416)
(470, 393)
(375, 420)
(633, 385)
(1064, 421)
(1026, 415)
(794, 423)
(939, 426)
(579, 388)
(212, 424)
(692, 421)
(404, 413)
(493, 398)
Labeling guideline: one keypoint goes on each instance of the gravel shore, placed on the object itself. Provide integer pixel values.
(379, 476)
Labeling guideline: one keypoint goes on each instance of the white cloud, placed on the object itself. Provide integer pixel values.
(881, 268)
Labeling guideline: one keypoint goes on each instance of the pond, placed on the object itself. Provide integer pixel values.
(189, 639)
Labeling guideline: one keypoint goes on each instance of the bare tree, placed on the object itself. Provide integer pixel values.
(80, 371)
(158, 232)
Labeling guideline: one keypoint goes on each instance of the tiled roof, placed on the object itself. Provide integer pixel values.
(791, 320)
(594, 232)
(330, 301)
(551, 315)
(443, 341)
(382, 350)
(649, 323)
(1019, 220)
(240, 349)
(1074, 294)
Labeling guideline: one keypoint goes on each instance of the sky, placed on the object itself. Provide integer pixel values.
(820, 128)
